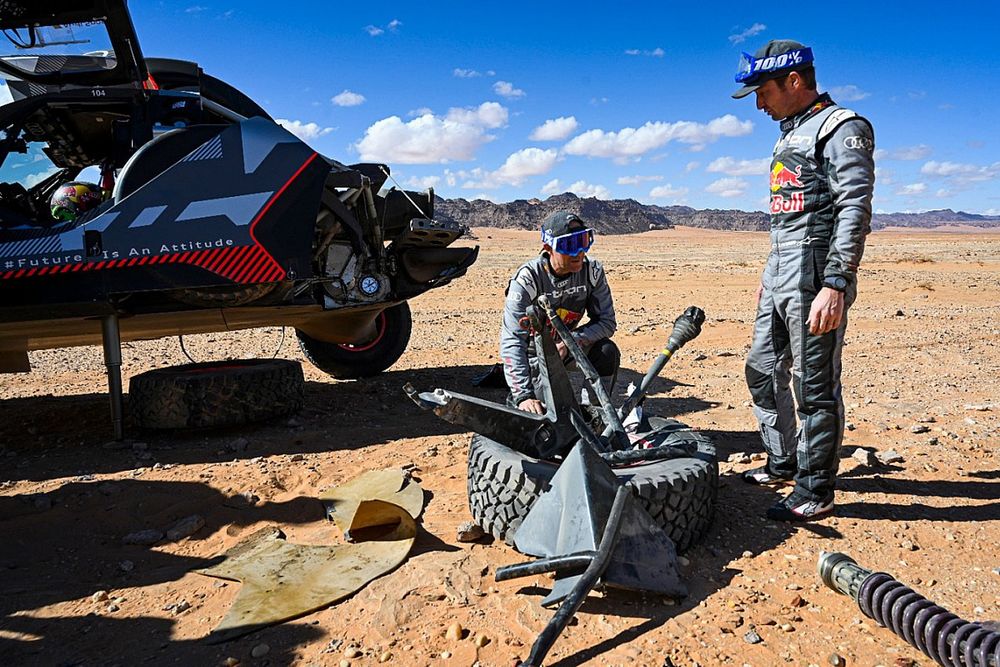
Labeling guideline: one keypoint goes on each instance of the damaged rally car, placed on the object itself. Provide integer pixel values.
(202, 214)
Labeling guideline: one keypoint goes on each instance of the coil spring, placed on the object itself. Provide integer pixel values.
(940, 634)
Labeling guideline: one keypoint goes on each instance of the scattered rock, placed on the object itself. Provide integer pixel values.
(700, 357)
(747, 554)
(454, 631)
(143, 537)
(260, 650)
(230, 662)
(933, 441)
(980, 407)
(386, 656)
(909, 546)
(889, 456)
(926, 419)
(836, 660)
(739, 457)
(469, 531)
(900, 313)
(353, 652)
(751, 637)
(99, 596)
(181, 607)
(186, 527)
(297, 457)
(482, 640)
(920, 428)
(787, 627)
(238, 445)
(113, 607)
(864, 456)
(684, 562)
(445, 655)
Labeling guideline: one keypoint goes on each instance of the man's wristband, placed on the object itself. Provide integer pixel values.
(838, 283)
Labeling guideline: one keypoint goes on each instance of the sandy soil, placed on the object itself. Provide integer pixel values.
(922, 355)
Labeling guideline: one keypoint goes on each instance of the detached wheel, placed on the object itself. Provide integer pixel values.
(344, 362)
(678, 493)
(227, 393)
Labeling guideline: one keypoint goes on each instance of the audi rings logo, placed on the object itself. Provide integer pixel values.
(855, 143)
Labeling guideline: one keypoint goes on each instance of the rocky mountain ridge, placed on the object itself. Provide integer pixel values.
(627, 216)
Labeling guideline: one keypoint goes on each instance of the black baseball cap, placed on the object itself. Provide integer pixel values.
(560, 223)
(774, 60)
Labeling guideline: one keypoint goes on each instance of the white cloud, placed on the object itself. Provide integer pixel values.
(848, 93)
(422, 111)
(555, 129)
(507, 89)
(943, 192)
(375, 30)
(429, 138)
(728, 187)
(912, 189)
(655, 53)
(584, 189)
(636, 180)
(741, 37)
(551, 188)
(667, 192)
(960, 172)
(594, 101)
(918, 152)
(630, 142)
(691, 166)
(734, 167)
(348, 99)
(518, 167)
(465, 73)
(195, 9)
(423, 182)
(304, 131)
(34, 179)
(884, 176)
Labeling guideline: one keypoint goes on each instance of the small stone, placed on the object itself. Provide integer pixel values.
(186, 527)
(796, 601)
(787, 627)
(747, 554)
(933, 441)
(850, 426)
(454, 631)
(260, 650)
(864, 456)
(113, 607)
(889, 456)
(469, 531)
(909, 546)
(297, 457)
(345, 663)
(920, 428)
(794, 587)
(238, 445)
(758, 456)
(353, 652)
(900, 313)
(751, 637)
(996, 570)
(181, 607)
(837, 660)
(981, 407)
(738, 457)
(482, 640)
(386, 656)
(230, 662)
(99, 596)
(143, 537)
(445, 655)
(684, 562)
(926, 419)
(126, 566)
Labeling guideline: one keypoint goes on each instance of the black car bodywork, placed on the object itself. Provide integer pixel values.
(215, 218)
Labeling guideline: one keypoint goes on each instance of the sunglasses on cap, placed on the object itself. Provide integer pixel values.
(571, 244)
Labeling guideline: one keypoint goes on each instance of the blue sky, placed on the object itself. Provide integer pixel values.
(517, 100)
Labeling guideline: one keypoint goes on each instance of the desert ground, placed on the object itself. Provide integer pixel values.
(921, 379)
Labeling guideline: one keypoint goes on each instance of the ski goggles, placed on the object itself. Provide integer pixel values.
(571, 244)
(752, 68)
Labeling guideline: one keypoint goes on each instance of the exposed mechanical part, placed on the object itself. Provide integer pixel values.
(941, 635)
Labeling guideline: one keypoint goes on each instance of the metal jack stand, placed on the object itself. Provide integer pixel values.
(112, 342)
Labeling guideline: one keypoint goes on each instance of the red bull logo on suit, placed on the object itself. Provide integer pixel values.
(782, 176)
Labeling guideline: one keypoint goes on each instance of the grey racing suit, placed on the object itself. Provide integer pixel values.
(584, 292)
(822, 177)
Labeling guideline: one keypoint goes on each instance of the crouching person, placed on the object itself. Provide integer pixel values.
(576, 286)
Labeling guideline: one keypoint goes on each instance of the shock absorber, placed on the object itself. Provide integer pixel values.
(941, 635)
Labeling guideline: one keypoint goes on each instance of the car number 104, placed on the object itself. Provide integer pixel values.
(98, 92)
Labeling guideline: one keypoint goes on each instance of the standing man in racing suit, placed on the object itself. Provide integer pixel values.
(576, 285)
(822, 177)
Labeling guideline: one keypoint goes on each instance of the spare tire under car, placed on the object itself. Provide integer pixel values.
(213, 394)
(678, 493)
(346, 362)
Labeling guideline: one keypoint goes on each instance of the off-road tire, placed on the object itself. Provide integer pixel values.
(346, 362)
(215, 394)
(678, 493)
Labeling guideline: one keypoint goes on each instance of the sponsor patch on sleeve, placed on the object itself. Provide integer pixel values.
(859, 143)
